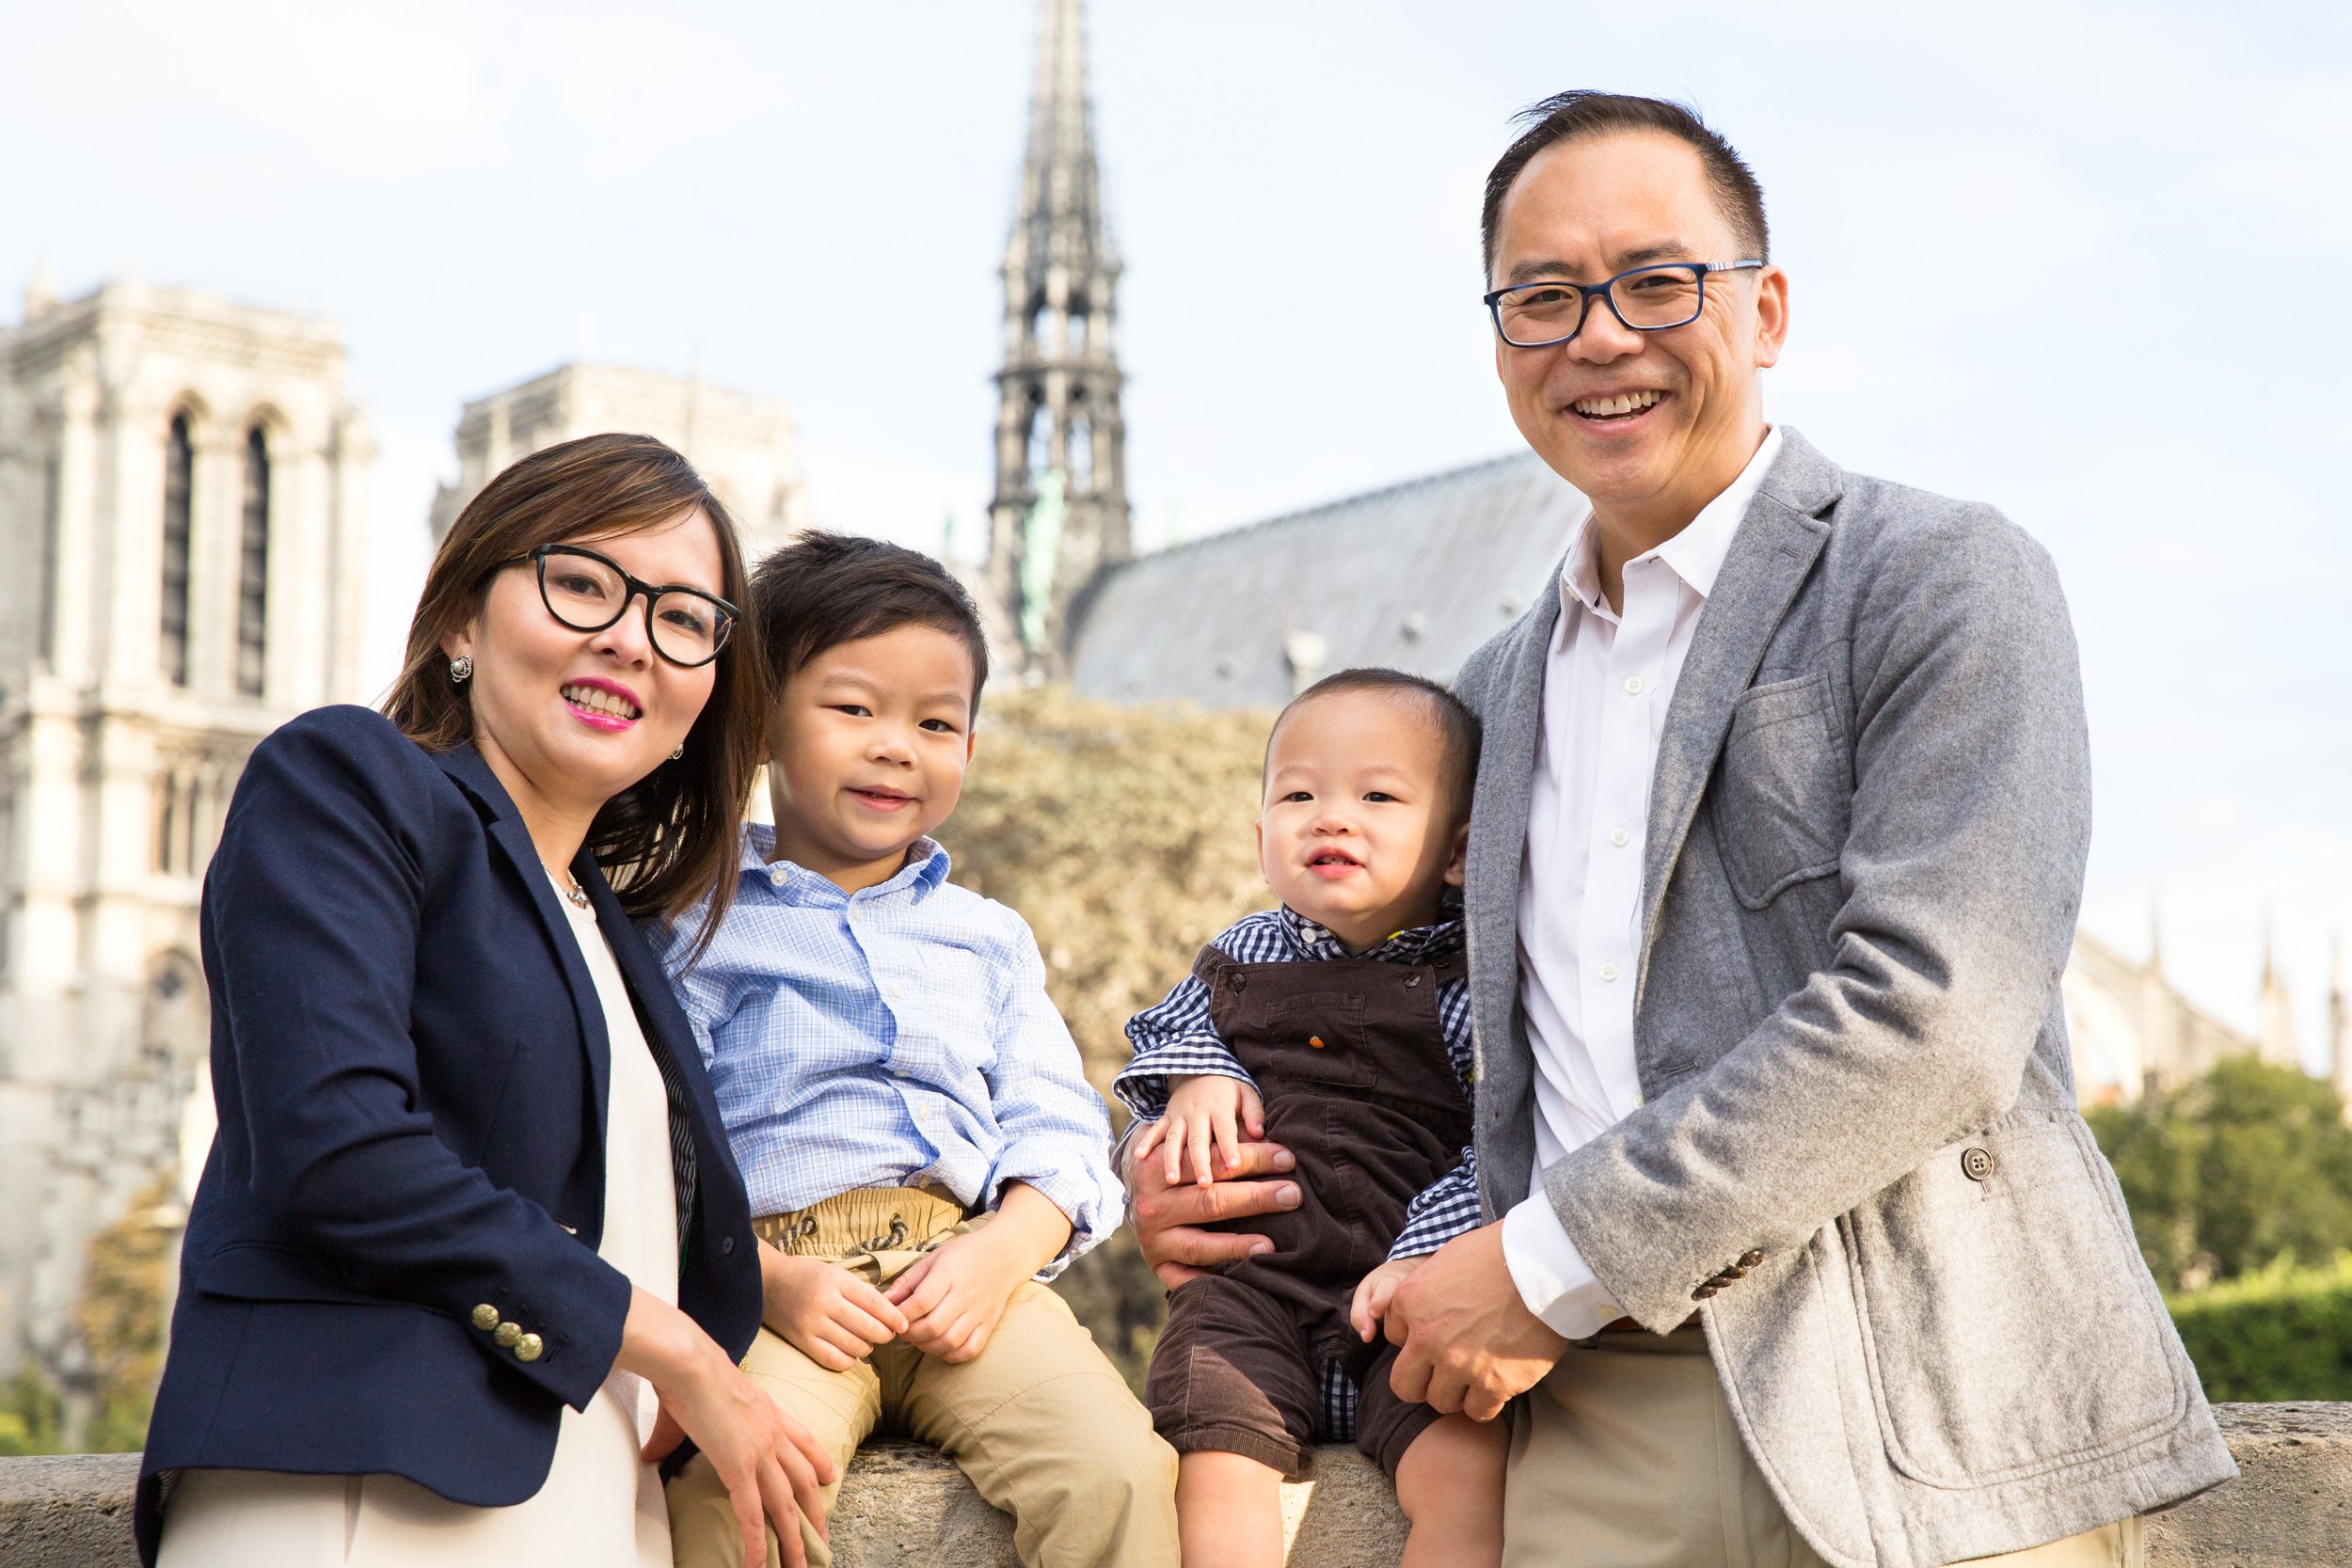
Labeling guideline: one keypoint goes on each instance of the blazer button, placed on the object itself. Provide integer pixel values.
(1705, 1291)
(727, 1246)
(1976, 1164)
(508, 1336)
(1735, 1271)
(529, 1348)
(486, 1317)
(1751, 1257)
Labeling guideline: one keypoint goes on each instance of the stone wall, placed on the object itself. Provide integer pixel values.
(905, 1507)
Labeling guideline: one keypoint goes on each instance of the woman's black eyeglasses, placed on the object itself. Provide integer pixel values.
(589, 592)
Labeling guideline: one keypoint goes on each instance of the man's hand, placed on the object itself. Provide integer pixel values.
(955, 1294)
(827, 1313)
(1375, 1290)
(1167, 1217)
(1468, 1342)
(1207, 1113)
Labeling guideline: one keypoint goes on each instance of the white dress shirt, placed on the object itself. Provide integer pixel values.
(1607, 685)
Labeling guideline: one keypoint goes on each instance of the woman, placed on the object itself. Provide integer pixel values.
(470, 1197)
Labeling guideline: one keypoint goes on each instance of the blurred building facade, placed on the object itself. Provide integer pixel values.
(182, 494)
(747, 448)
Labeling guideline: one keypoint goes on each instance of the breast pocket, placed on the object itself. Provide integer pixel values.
(1317, 1037)
(1783, 794)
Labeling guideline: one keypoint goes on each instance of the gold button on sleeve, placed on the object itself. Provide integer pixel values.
(486, 1317)
(508, 1336)
(531, 1348)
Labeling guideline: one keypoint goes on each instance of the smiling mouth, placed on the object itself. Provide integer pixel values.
(882, 799)
(1333, 862)
(1620, 405)
(596, 702)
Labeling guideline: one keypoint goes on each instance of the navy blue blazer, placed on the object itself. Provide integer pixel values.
(411, 1064)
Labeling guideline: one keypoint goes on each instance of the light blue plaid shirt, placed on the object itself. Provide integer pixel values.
(897, 1036)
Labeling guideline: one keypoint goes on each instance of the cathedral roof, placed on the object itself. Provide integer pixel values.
(1415, 577)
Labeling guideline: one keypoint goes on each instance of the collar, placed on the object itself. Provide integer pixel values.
(926, 867)
(1417, 945)
(1696, 555)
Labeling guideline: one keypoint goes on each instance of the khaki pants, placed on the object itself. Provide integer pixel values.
(1624, 1456)
(1040, 1422)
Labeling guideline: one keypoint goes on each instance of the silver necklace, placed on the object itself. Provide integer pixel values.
(573, 891)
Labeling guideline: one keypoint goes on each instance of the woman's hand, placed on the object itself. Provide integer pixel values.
(823, 1310)
(1375, 1290)
(955, 1294)
(1208, 1114)
(772, 1467)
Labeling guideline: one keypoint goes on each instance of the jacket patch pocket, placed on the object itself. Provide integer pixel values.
(2009, 1326)
(1784, 789)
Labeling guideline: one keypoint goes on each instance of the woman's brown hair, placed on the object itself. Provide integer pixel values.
(670, 841)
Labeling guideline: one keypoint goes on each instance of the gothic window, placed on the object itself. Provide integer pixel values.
(52, 537)
(1077, 336)
(1041, 443)
(253, 567)
(178, 489)
(1081, 455)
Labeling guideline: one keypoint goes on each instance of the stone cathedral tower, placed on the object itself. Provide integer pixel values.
(1059, 513)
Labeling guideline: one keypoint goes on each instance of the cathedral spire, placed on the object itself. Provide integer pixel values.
(1059, 512)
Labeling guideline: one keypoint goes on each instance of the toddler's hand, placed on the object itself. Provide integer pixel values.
(1375, 1290)
(1207, 1116)
(827, 1313)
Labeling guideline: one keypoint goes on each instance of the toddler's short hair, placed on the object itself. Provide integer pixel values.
(824, 588)
(1456, 725)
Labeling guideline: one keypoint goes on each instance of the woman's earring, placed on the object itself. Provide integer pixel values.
(680, 752)
(461, 668)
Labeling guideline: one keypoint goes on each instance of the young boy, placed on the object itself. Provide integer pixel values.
(905, 1103)
(1338, 1025)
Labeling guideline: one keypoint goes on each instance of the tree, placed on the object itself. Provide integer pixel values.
(2233, 1172)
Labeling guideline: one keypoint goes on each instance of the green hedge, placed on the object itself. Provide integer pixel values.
(2282, 1333)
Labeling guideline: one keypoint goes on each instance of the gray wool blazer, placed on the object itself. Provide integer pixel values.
(1866, 847)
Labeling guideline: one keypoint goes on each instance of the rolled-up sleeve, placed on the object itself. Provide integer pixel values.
(1173, 1038)
(1056, 1132)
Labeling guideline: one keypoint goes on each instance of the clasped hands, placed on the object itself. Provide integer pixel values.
(1467, 1342)
(948, 1305)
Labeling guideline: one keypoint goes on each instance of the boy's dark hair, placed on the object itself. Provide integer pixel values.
(823, 589)
(1456, 725)
(1582, 112)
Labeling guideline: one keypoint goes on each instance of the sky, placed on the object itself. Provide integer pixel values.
(2085, 262)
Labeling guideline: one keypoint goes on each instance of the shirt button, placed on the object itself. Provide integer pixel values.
(1633, 686)
(1608, 971)
(776, 877)
(1616, 836)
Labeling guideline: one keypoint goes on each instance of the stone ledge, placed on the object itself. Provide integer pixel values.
(907, 1507)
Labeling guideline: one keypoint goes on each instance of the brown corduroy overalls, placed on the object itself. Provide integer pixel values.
(1350, 1061)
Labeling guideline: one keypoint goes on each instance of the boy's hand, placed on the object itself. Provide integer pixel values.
(827, 1313)
(955, 1294)
(1375, 1290)
(1207, 1116)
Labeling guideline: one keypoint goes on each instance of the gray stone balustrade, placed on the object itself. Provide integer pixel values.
(905, 1507)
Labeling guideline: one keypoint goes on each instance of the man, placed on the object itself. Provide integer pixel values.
(1796, 1249)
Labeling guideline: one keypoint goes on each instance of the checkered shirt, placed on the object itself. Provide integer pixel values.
(892, 1036)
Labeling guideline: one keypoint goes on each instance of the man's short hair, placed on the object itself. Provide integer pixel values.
(1581, 112)
(823, 589)
(1456, 725)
